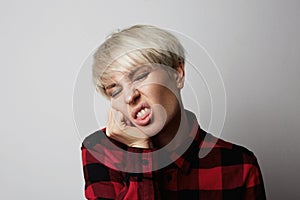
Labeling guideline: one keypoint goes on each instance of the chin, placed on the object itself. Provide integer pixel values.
(152, 129)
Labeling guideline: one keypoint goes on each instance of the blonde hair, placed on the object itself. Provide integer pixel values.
(133, 46)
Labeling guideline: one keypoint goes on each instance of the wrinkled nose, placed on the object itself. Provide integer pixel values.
(132, 96)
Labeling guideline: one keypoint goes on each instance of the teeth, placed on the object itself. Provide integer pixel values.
(142, 113)
(139, 115)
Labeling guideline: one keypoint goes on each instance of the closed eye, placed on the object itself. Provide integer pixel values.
(141, 76)
(113, 90)
(115, 93)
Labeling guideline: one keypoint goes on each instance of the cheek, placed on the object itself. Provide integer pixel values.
(168, 100)
(161, 95)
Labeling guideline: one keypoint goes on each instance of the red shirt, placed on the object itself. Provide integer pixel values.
(228, 171)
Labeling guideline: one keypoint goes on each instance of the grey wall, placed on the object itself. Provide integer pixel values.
(255, 44)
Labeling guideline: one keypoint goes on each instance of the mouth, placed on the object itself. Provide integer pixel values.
(142, 114)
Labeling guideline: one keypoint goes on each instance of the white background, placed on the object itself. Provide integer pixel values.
(255, 44)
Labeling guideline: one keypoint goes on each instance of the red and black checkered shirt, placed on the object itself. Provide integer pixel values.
(228, 171)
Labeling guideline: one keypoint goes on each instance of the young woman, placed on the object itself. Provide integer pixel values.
(149, 149)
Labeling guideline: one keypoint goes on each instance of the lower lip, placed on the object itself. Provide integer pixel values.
(145, 120)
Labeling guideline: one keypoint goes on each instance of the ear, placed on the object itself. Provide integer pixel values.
(179, 75)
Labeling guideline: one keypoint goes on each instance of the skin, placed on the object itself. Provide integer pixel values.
(155, 87)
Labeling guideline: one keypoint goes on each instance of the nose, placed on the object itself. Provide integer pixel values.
(132, 96)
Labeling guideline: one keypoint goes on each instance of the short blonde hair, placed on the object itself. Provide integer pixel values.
(133, 46)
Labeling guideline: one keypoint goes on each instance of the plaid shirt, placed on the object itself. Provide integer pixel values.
(228, 171)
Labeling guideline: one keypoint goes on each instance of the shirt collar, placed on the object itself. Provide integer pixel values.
(195, 136)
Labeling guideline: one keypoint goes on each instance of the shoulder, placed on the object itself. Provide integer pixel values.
(99, 138)
(93, 139)
(99, 150)
(232, 165)
(227, 152)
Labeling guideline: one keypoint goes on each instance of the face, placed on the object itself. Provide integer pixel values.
(147, 95)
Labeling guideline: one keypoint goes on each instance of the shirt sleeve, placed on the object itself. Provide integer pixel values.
(103, 182)
(254, 186)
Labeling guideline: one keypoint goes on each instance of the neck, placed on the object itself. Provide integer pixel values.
(178, 126)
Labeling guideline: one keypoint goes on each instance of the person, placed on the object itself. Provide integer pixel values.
(150, 146)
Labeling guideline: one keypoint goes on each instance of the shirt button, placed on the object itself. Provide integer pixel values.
(169, 177)
(145, 162)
